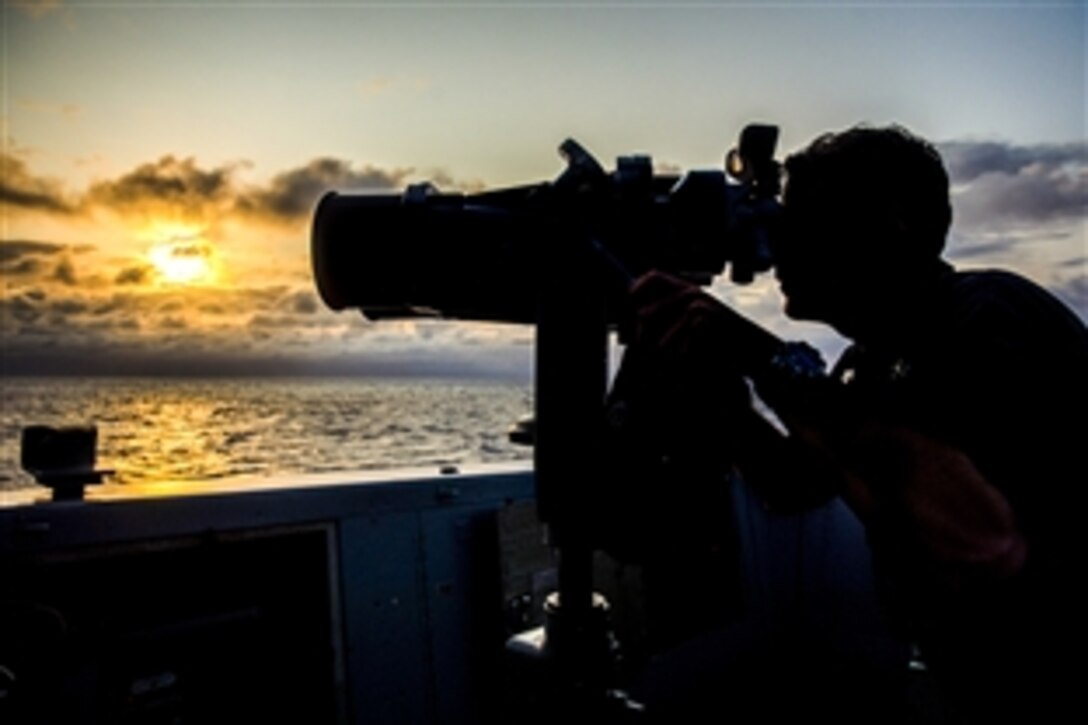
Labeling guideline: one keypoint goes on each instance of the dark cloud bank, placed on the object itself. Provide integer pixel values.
(180, 186)
(62, 326)
(22, 189)
(1001, 185)
(16, 251)
(1017, 202)
(292, 194)
(169, 183)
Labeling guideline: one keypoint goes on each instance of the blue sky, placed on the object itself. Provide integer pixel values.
(244, 98)
(485, 88)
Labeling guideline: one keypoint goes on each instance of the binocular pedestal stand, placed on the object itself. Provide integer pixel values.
(567, 666)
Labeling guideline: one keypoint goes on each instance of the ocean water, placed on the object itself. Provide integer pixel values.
(199, 429)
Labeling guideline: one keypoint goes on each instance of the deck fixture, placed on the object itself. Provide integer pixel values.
(62, 459)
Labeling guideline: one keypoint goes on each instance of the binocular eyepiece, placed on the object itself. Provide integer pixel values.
(478, 256)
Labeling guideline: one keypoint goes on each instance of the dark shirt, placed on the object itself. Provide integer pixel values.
(992, 365)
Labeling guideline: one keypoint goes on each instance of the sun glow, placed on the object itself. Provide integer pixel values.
(184, 258)
(181, 264)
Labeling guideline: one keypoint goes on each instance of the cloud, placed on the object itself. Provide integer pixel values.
(70, 307)
(68, 314)
(65, 272)
(16, 250)
(170, 185)
(302, 302)
(191, 250)
(965, 249)
(968, 160)
(48, 291)
(180, 189)
(29, 267)
(291, 195)
(21, 189)
(266, 321)
(1020, 207)
(24, 308)
(182, 249)
(1003, 185)
(138, 274)
(25, 262)
(276, 329)
(444, 180)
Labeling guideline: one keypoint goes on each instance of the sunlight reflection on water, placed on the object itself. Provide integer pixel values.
(163, 429)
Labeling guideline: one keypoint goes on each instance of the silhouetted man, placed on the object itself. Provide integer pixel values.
(953, 426)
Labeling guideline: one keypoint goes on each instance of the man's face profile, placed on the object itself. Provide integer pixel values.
(865, 217)
(810, 265)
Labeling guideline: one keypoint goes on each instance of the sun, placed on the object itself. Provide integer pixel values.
(182, 263)
(184, 258)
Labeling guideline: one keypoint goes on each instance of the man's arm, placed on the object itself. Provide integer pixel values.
(934, 501)
(707, 343)
(925, 494)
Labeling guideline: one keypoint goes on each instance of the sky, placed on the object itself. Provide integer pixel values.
(161, 160)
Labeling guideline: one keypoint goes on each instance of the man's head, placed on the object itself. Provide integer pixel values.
(867, 212)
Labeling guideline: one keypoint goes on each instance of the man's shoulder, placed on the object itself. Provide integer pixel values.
(1002, 303)
(997, 290)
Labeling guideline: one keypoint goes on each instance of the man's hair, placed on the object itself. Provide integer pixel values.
(883, 176)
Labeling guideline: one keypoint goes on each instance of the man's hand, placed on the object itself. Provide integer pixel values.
(702, 351)
(677, 364)
(680, 320)
(673, 414)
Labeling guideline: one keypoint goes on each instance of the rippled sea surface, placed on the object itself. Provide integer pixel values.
(181, 429)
